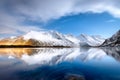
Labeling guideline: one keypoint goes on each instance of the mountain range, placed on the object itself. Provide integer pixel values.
(56, 39)
(51, 39)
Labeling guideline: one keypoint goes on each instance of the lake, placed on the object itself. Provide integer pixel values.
(60, 63)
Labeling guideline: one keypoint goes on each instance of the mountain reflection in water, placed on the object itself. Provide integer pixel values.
(60, 63)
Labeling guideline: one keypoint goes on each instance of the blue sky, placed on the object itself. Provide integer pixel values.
(88, 23)
(92, 17)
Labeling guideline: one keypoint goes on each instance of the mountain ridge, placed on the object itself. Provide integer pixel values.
(51, 39)
(114, 40)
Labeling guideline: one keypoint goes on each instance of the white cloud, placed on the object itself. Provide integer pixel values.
(45, 10)
(13, 25)
(14, 12)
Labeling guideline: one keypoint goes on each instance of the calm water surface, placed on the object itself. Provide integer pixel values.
(60, 64)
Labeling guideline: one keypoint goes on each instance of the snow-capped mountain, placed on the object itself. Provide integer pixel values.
(48, 38)
(73, 39)
(86, 40)
(113, 41)
(42, 38)
(52, 38)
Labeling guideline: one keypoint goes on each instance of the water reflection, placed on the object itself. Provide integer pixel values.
(16, 52)
(113, 51)
(53, 56)
(60, 63)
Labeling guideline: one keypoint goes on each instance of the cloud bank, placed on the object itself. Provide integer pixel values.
(13, 13)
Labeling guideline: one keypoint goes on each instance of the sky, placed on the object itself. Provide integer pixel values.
(92, 17)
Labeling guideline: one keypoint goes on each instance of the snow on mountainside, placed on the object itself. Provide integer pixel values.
(52, 38)
(113, 41)
(86, 40)
(73, 39)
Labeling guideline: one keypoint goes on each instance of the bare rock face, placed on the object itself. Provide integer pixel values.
(113, 41)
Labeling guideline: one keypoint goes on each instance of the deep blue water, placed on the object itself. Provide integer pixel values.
(62, 64)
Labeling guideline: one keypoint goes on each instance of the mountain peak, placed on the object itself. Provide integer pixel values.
(113, 41)
(118, 32)
(51, 38)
